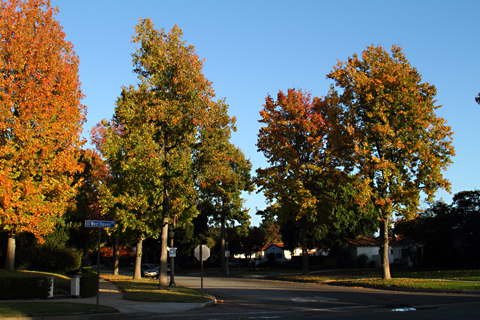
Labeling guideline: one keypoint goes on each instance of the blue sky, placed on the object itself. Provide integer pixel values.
(255, 48)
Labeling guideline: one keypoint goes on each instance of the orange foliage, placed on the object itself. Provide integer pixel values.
(41, 117)
(124, 251)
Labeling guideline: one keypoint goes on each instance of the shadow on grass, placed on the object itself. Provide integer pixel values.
(38, 309)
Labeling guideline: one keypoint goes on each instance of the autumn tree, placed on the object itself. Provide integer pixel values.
(226, 174)
(40, 119)
(397, 143)
(152, 142)
(298, 141)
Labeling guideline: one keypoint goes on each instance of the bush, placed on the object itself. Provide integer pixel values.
(362, 260)
(18, 286)
(57, 259)
(88, 283)
(50, 259)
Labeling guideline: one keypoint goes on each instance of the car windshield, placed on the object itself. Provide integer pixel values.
(148, 266)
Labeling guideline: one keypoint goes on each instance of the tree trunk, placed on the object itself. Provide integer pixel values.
(86, 248)
(10, 259)
(222, 246)
(305, 267)
(137, 274)
(384, 249)
(116, 256)
(162, 279)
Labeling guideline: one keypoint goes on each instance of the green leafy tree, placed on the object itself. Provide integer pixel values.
(152, 144)
(395, 140)
(226, 176)
(298, 139)
(41, 120)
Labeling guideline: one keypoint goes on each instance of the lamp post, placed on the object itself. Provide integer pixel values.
(171, 234)
(226, 257)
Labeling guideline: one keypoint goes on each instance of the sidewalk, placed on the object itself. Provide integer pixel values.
(111, 296)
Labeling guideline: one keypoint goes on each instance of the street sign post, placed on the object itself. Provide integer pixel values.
(99, 224)
(202, 253)
(172, 252)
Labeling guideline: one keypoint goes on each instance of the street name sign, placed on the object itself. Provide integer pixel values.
(99, 224)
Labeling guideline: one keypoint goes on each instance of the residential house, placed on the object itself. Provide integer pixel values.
(272, 252)
(368, 246)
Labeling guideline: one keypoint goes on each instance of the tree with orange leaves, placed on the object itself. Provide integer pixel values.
(302, 182)
(397, 143)
(40, 119)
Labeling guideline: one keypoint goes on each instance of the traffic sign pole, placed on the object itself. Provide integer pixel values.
(98, 270)
(201, 270)
(99, 224)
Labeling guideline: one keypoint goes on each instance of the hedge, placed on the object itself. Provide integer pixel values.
(24, 287)
(88, 283)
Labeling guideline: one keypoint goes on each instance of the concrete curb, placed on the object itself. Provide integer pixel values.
(205, 304)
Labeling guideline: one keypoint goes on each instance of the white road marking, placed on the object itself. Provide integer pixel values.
(312, 299)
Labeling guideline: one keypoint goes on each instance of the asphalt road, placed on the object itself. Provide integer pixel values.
(263, 299)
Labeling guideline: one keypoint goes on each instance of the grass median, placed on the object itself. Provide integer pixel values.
(147, 290)
(422, 280)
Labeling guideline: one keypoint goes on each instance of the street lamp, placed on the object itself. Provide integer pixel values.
(171, 234)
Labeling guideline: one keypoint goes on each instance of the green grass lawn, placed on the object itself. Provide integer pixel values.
(442, 280)
(147, 290)
(412, 283)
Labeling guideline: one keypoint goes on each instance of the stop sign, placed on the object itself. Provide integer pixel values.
(205, 252)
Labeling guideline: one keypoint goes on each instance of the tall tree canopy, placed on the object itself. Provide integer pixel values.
(225, 176)
(397, 142)
(154, 142)
(40, 119)
(300, 143)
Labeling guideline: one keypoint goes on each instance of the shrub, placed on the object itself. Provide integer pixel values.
(88, 283)
(56, 259)
(18, 286)
(48, 258)
(362, 260)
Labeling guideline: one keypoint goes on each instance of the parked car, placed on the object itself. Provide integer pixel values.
(234, 264)
(149, 270)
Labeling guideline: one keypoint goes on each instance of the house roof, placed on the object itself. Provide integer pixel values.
(370, 242)
(364, 242)
(268, 245)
